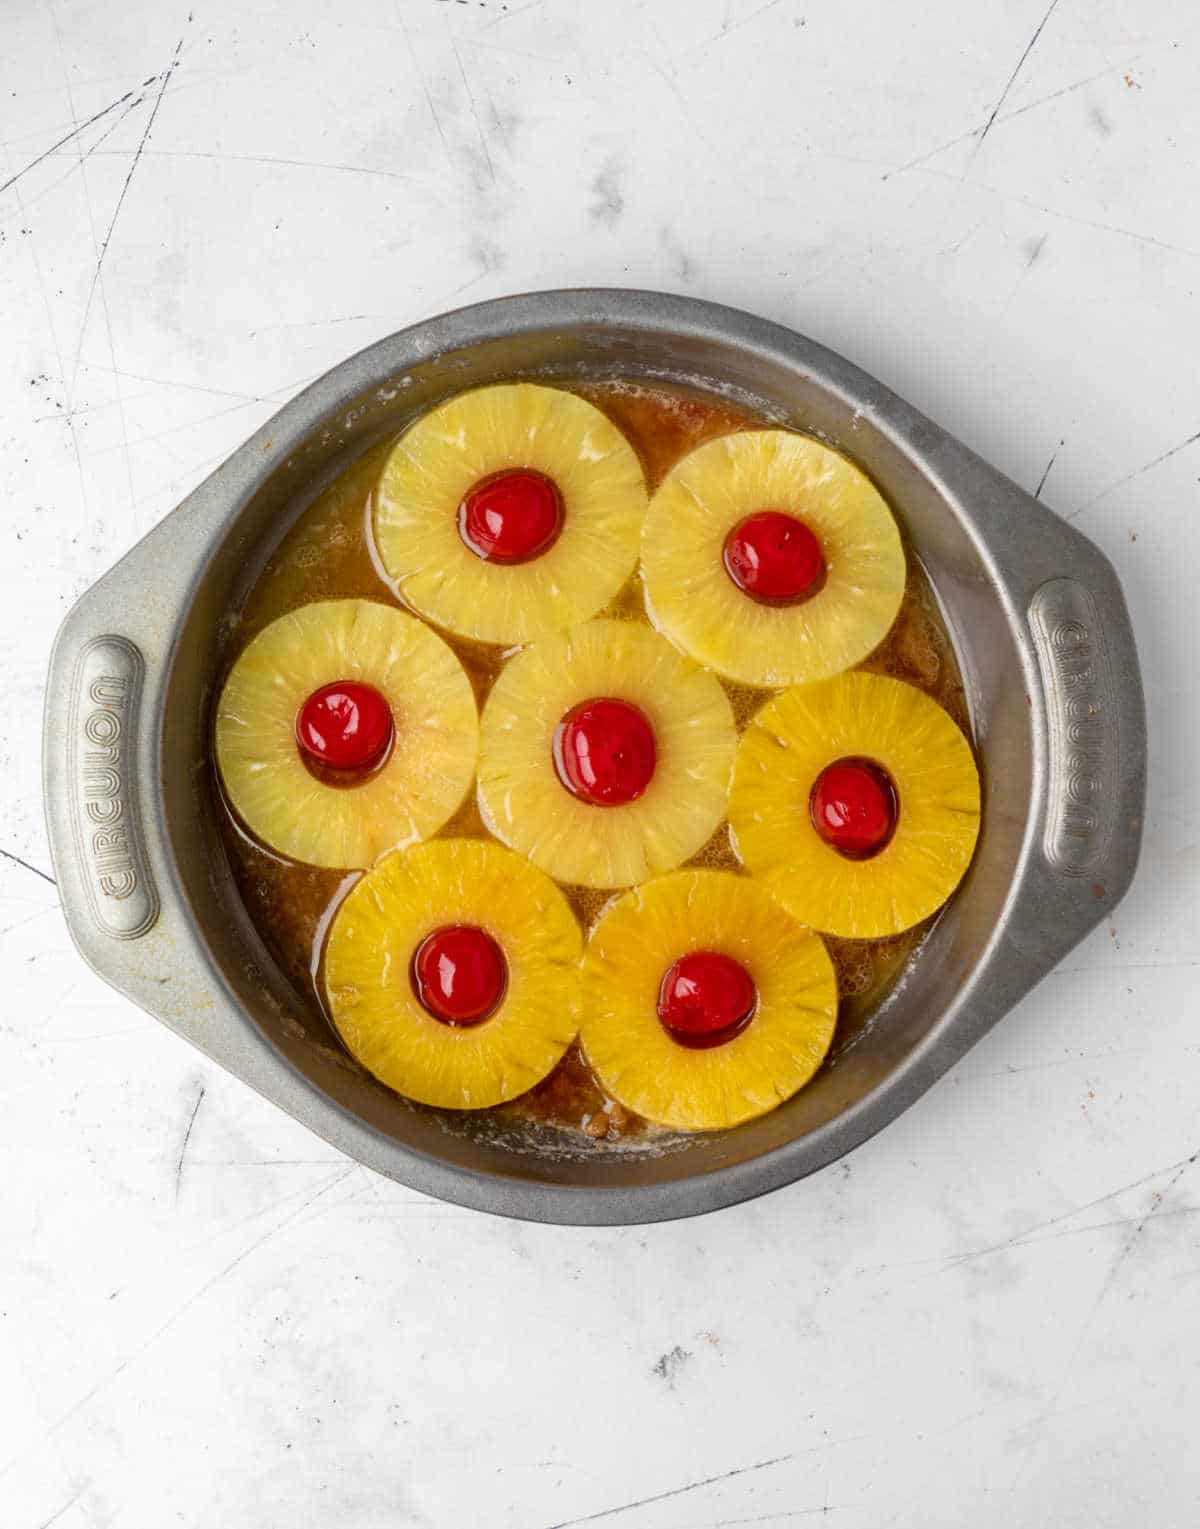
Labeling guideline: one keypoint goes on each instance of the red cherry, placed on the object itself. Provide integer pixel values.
(604, 752)
(706, 999)
(345, 726)
(854, 807)
(511, 517)
(774, 558)
(459, 974)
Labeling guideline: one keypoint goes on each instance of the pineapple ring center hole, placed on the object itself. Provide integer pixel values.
(604, 752)
(775, 558)
(854, 807)
(344, 730)
(511, 516)
(459, 974)
(705, 999)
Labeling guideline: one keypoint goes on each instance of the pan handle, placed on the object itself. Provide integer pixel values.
(1087, 710)
(1093, 722)
(100, 751)
(94, 722)
(100, 755)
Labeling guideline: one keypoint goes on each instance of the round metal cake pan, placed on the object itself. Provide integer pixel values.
(1034, 610)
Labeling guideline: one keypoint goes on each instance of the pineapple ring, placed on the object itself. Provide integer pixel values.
(422, 781)
(368, 963)
(633, 1055)
(693, 600)
(868, 716)
(440, 458)
(525, 803)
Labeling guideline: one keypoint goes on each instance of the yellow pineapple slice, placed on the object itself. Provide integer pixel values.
(889, 873)
(452, 973)
(604, 755)
(705, 1003)
(771, 559)
(431, 744)
(509, 512)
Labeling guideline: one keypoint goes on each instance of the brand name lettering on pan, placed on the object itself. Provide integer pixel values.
(1081, 723)
(101, 755)
(103, 785)
(1086, 728)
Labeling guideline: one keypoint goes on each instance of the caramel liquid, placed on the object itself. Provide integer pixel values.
(328, 555)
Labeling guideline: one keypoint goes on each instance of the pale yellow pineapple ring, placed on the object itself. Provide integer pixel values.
(792, 739)
(368, 964)
(440, 458)
(435, 745)
(634, 1056)
(527, 806)
(693, 600)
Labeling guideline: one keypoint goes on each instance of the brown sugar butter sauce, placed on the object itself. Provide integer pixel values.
(328, 555)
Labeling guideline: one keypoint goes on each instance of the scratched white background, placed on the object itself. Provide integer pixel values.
(988, 1315)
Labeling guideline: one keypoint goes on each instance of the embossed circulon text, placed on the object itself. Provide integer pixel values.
(102, 750)
(1081, 716)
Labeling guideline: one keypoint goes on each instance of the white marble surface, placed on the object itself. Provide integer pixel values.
(988, 1315)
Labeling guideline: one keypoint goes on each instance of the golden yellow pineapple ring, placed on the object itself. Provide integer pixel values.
(771, 559)
(705, 1003)
(452, 973)
(510, 511)
(380, 709)
(605, 755)
(857, 802)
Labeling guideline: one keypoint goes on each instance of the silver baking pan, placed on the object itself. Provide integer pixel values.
(1034, 610)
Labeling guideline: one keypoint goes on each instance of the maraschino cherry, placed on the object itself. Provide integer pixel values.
(604, 752)
(774, 558)
(459, 974)
(345, 726)
(854, 807)
(706, 998)
(511, 517)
